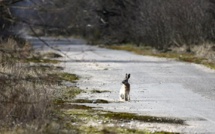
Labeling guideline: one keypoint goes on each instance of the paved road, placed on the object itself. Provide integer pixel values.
(159, 87)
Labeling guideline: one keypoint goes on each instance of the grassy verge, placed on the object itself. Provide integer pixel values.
(25, 89)
(34, 99)
(40, 60)
(73, 118)
(44, 58)
(186, 57)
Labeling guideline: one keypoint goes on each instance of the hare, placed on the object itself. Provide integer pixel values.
(125, 89)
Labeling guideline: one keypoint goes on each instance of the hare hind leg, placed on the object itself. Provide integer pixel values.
(127, 97)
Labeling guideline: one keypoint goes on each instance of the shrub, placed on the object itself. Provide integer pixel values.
(24, 90)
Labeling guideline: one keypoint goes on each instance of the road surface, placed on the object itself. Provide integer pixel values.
(159, 86)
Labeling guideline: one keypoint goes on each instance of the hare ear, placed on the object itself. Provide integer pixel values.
(128, 76)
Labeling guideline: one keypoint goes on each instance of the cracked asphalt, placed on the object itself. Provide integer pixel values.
(159, 86)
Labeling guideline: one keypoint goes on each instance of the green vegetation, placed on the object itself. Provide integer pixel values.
(90, 101)
(71, 117)
(130, 116)
(99, 91)
(67, 95)
(68, 77)
(36, 97)
(41, 60)
(33, 99)
(77, 118)
(44, 58)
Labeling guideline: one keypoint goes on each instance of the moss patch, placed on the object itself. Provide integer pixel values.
(115, 130)
(122, 117)
(78, 116)
(68, 77)
(73, 118)
(67, 95)
(100, 91)
(90, 101)
(44, 58)
(71, 93)
(61, 76)
(75, 106)
(152, 119)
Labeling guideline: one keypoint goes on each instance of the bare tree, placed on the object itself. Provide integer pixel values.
(159, 23)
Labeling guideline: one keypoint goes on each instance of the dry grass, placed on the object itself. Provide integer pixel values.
(203, 54)
(25, 89)
(26, 97)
